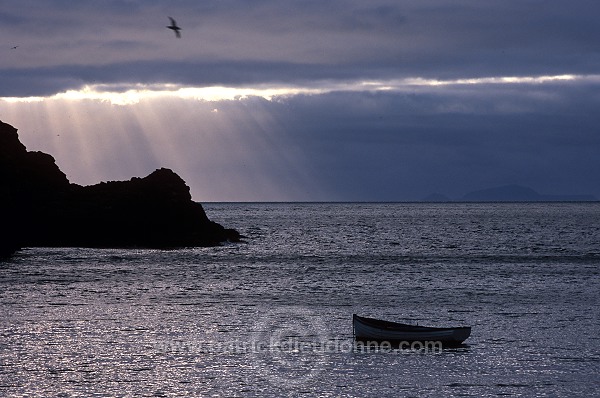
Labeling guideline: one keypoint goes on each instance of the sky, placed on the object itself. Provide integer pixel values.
(310, 100)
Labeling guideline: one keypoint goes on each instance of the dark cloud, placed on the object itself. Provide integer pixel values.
(389, 146)
(50, 80)
(291, 41)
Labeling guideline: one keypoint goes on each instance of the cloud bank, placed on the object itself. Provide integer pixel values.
(64, 45)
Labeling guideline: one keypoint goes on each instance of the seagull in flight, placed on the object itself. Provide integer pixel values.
(14, 47)
(175, 28)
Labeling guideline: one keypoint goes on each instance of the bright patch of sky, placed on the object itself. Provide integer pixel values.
(131, 94)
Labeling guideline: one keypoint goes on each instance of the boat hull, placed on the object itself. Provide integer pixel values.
(369, 329)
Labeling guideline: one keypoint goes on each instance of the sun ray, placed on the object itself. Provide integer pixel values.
(222, 140)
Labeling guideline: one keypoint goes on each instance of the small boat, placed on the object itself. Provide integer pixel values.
(375, 330)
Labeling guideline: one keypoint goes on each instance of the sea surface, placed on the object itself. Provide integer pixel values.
(272, 317)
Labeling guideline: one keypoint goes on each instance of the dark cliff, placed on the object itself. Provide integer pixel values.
(40, 207)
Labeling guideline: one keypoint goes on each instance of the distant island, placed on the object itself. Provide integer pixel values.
(41, 208)
(510, 193)
(436, 197)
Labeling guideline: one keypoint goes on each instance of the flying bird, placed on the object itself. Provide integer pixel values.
(175, 28)
(14, 47)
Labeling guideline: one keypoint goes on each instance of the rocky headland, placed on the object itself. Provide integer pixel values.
(39, 207)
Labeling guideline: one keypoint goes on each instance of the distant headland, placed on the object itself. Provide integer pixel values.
(40, 207)
(509, 193)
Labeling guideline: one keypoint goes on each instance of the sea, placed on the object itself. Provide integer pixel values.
(272, 317)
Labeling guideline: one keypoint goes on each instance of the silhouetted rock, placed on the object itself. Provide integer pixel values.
(39, 207)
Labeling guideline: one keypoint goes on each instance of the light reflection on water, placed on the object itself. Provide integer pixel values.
(82, 322)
